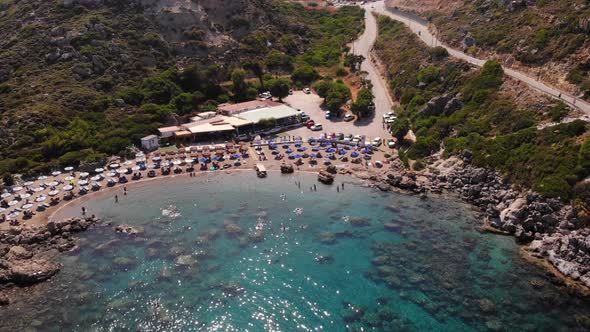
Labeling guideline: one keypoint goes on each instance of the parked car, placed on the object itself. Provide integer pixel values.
(391, 115)
(243, 137)
(304, 117)
(306, 91)
(348, 117)
(310, 123)
(290, 91)
(376, 141)
(356, 138)
(265, 95)
(327, 114)
(391, 143)
(348, 137)
(340, 136)
(389, 120)
(317, 127)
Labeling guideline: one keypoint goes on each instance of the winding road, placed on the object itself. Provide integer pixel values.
(383, 100)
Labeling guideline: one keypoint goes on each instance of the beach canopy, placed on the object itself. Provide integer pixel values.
(331, 150)
(301, 149)
(342, 152)
(53, 192)
(354, 154)
(127, 162)
(41, 178)
(5, 195)
(99, 170)
(84, 175)
(83, 182)
(17, 188)
(27, 206)
(52, 184)
(112, 174)
(68, 187)
(13, 203)
(157, 158)
(113, 166)
(2, 210)
(56, 173)
(40, 198)
(289, 151)
(38, 189)
(121, 171)
(96, 178)
(23, 196)
(68, 169)
(327, 162)
(298, 155)
(29, 183)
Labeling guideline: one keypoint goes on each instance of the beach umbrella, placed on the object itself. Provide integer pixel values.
(354, 154)
(17, 188)
(29, 183)
(99, 170)
(121, 171)
(23, 196)
(331, 150)
(84, 175)
(289, 151)
(177, 162)
(291, 157)
(27, 206)
(56, 173)
(215, 158)
(297, 145)
(315, 149)
(113, 166)
(342, 152)
(157, 158)
(204, 160)
(52, 184)
(274, 152)
(298, 155)
(69, 169)
(189, 160)
(2, 210)
(273, 146)
(40, 198)
(69, 178)
(83, 182)
(112, 174)
(127, 163)
(327, 162)
(68, 187)
(237, 155)
(14, 214)
(5, 195)
(301, 149)
(53, 192)
(96, 178)
(38, 189)
(41, 178)
(13, 203)
(285, 146)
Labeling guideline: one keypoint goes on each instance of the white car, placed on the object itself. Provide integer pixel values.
(356, 138)
(348, 117)
(317, 127)
(391, 143)
(306, 91)
(376, 141)
(389, 120)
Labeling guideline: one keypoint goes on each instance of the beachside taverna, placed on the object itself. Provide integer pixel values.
(230, 120)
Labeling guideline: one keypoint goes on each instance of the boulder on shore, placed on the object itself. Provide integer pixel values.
(30, 272)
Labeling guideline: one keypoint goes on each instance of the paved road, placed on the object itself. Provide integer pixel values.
(422, 31)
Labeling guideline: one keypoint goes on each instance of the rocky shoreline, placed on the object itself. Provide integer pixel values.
(28, 254)
(549, 230)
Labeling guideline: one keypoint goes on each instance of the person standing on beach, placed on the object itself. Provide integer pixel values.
(83, 211)
(116, 199)
(125, 191)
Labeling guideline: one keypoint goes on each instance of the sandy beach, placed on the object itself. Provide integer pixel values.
(262, 154)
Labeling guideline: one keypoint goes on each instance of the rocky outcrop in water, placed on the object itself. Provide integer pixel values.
(549, 228)
(27, 253)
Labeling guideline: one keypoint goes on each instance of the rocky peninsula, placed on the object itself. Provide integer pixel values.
(28, 254)
(552, 233)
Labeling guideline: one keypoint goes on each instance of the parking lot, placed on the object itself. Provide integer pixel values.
(310, 104)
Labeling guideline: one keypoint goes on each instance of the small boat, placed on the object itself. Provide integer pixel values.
(260, 171)
(325, 177)
(151, 173)
(287, 169)
(111, 182)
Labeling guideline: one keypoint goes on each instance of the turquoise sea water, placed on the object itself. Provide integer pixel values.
(250, 254)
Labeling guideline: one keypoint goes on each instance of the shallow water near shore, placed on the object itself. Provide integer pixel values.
(248, 254)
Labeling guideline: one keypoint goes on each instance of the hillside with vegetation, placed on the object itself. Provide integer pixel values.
(548, 39)
(84, 79)
(454, 108)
